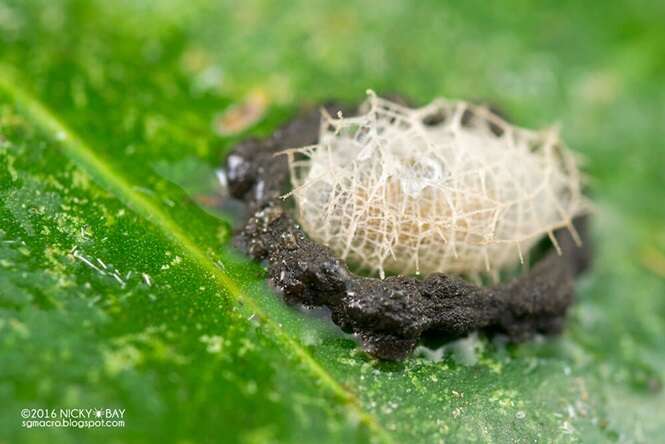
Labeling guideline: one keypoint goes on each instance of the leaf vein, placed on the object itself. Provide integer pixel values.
(84, 156)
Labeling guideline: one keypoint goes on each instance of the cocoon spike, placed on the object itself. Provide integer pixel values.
(449, 187)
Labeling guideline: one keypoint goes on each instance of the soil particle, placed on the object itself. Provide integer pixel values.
(388, 316)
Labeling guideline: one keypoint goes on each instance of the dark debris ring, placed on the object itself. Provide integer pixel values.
(388, 316)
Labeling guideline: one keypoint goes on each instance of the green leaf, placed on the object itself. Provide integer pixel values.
(119, 290)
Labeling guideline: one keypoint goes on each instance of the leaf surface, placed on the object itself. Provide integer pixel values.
(119, 289)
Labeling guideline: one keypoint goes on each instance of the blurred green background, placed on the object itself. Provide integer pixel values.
(113, 117)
